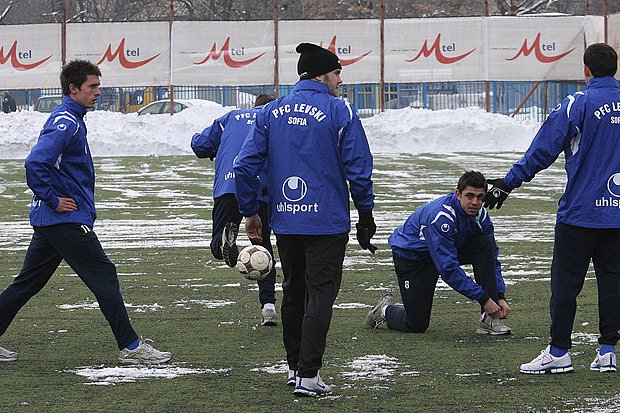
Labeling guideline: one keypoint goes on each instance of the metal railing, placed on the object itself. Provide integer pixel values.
(504, 97)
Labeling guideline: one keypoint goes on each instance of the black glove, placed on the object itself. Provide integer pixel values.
(497, 194)
(366, 229)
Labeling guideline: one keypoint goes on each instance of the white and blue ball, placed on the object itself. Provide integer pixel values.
(254, 262)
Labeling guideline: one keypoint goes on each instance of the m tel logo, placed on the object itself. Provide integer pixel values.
(226, 51)
(438, 49)
(538, 50)
(120, 53)
(14, 55)
(340, 51)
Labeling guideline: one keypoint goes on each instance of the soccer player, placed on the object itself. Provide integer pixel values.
(586, 128)
(435, 240)
(222, 141)
(313, 144)
(60, 173)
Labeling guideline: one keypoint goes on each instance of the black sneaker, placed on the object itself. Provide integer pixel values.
(230, 252)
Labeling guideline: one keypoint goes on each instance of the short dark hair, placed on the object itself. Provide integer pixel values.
(473, 179)
(263, 99)
(75, 73)
(601, 59)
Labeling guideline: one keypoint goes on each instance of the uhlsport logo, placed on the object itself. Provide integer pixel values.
(538, 48)
(228, 52)
(343, 51)
(438, 48)
(15, 55)
(120, 53)
(613, 187)
(294, 189)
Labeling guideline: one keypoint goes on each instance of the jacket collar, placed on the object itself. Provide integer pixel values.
(73, 105)
(607, 81)
(311, 85)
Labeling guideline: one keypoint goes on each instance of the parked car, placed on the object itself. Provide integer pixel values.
(163, 106)
(47, 103)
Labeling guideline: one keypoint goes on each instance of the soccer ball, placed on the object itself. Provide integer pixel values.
(254, 262)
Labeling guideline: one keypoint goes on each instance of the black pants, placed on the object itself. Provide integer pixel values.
(225, 210)
(573, 249)
(80, 248)
(312, 267)
(417, 281)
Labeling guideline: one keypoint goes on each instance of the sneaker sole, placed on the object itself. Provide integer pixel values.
(7, 359)
(492, 333)
(230, 252)
(603, 369)
(291, 381)
(554, 370)
(269, 323)
(144, 362)
(302, 391)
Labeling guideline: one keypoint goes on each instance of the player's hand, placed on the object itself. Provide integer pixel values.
(492, 309)
(366, 229)
(254, 229)
(66, 205)
(497, 194)
(505, 309)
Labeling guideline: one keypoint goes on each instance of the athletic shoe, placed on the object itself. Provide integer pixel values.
(269, 317)
(492, 326)
(547, 363)
(7, 355)
(311, 387)
(144, 354)
(292, 378)
(230, 252)
(375, 316)
(604, 363)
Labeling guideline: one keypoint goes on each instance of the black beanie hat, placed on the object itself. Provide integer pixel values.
(315, 61)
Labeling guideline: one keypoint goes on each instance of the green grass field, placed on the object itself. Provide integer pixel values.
(154, 223)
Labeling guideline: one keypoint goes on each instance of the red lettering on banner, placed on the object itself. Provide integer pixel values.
(226, 51)
(120, 53)
(340, 51)
(540, 56)
(13, 55)
(436, 48)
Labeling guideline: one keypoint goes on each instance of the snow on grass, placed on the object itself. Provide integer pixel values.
(118, 375)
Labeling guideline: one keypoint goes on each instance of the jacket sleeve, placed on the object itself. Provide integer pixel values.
(206, 143)
(488, 230)
(45, 155)
(357, 160)
(248, 165)
(438, 235)
(553, 137)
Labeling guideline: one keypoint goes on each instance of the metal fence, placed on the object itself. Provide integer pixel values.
(507, 98)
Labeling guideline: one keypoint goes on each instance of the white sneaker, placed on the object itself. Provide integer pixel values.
(292, 378)
(492, 326)
(312, 387)
(7, 355)
(547, 363)
(144, 354)
(375, 316)
(604, 363)
(269, 317)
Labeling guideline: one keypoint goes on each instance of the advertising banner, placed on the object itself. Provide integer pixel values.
(535, 48)
(356, 42)
(30, 56)
(223, 53)
(128, 54)
(434, 50)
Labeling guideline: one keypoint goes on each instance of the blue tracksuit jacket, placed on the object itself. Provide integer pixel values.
(313, 145)
(223, 140)
(60, 165)
(586, 127)
(437, 230)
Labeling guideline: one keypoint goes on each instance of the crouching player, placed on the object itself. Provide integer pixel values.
(435, 240)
